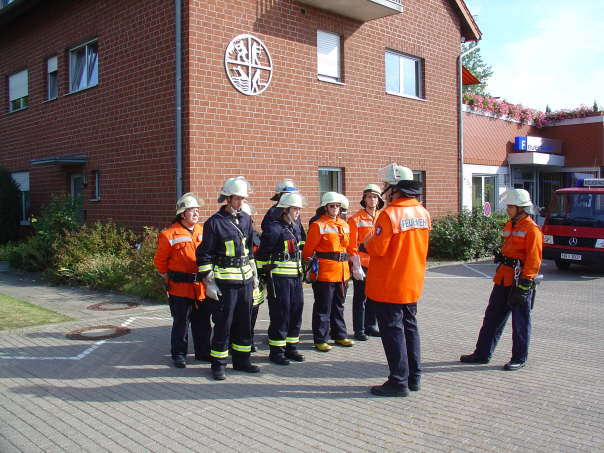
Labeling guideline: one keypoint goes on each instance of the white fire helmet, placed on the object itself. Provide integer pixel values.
(375, 189)
(188, 200)
(331, 197)
(247, 208)
(516, 197)
(234, 186)
(391, 174)
(286, 185)
(345, 203)
(289, 200)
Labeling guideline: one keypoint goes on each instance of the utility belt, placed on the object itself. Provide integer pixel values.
(334, 256)
(182, 277)
(231, 261)
(507, 261)
(286, 256)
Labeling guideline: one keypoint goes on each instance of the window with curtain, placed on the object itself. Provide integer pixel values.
(83, 67)
(52, 78)
(17, 91)
(403, 75)
(328, 56)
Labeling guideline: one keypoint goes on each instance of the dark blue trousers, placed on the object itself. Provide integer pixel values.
(185, 311)
(363, 317)
(285, 307)
(495, 317)
(232, 323)
(400, 338)
(328, 311)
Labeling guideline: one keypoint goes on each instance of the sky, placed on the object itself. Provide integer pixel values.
(543, 52)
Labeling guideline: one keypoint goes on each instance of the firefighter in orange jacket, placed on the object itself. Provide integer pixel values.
(325, 248)
(514, 289)
(362, 225)
(395, 278)
(175, 261)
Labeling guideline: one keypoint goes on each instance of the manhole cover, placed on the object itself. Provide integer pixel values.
(109, 306)
(97, 333)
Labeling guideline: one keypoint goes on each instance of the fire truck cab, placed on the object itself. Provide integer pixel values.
(573, 230)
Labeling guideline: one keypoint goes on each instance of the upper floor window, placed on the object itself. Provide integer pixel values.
(83, 67)
(403, 75)
(328, 56)
(17, 91)
(52, 88)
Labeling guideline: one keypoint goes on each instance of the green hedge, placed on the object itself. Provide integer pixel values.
(466, 235)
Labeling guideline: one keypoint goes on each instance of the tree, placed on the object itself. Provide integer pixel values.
(9, 207)
(482, 71)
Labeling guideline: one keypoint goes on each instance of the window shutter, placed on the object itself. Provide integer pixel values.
(52, 64)
(17, 85)
(328, 54)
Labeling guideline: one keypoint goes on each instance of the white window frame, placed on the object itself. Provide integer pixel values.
(89, 71)
(420, 176)
(418, 74)
(52, 78)
(329, 56)
(339, 172)
(22, 180)
(18, 91)
(96, 174)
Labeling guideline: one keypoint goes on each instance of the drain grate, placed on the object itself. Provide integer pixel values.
(114, 331)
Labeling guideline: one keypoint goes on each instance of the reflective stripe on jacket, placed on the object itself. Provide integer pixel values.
(278, 242)
(226, 235)
(398, 250)
(362, 226)
(176, 247)
(523, 241)
(328, 235)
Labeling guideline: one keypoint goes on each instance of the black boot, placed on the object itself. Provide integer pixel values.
(218, 372)
(292, 353)
(276, 356)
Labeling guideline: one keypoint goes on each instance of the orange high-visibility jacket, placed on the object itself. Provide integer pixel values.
(523, 241)
(176, 252)
(362, 226)
(398, 251)
(328, 235)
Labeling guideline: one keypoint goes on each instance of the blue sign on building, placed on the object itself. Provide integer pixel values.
(537, 144)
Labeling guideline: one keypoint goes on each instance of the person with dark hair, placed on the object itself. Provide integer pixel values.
(176, 263)
(398, 252)
(514, 288)
(326, 244)
(362, 226)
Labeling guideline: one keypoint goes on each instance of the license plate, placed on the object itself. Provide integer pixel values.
(570, 256)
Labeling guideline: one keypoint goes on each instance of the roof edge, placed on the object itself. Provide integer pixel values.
(469, 27)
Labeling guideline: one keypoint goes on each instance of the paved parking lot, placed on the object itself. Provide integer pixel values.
(120, 394)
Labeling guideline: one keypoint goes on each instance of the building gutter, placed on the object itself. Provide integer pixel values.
(460, 122)
(178, 74)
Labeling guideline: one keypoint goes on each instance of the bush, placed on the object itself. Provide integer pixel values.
(60, 215)
(143, 279)
(33, 255)
(466, 235)
(9, 207)
(96, 255)
(6, 249)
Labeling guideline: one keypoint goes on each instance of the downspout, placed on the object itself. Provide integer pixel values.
(460, 123)
(179, 164)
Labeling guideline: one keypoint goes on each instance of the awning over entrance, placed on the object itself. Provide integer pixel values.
(61, 160)
(528, 158)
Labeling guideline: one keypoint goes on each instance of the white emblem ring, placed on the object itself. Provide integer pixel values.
(248, 65)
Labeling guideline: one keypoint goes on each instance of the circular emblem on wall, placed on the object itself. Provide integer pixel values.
(248, 65)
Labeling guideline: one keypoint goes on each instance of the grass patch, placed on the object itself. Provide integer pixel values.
(18, 313)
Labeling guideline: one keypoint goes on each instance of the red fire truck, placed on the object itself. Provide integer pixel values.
(573, 231)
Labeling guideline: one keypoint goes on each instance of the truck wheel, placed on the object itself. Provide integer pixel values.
(562, 265)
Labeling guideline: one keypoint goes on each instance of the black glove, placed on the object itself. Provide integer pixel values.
(521, 293)
(498, 257)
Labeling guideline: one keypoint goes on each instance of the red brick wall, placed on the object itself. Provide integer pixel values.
(582, 144)
(487, 141)
(125, 125)
(300, 123)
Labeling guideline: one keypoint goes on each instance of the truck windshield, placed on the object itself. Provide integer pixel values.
(579, 209)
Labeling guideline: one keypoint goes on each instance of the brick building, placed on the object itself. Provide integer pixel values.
(499, 153)
(131, 103)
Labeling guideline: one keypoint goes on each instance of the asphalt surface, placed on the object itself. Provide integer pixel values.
(122, 394)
